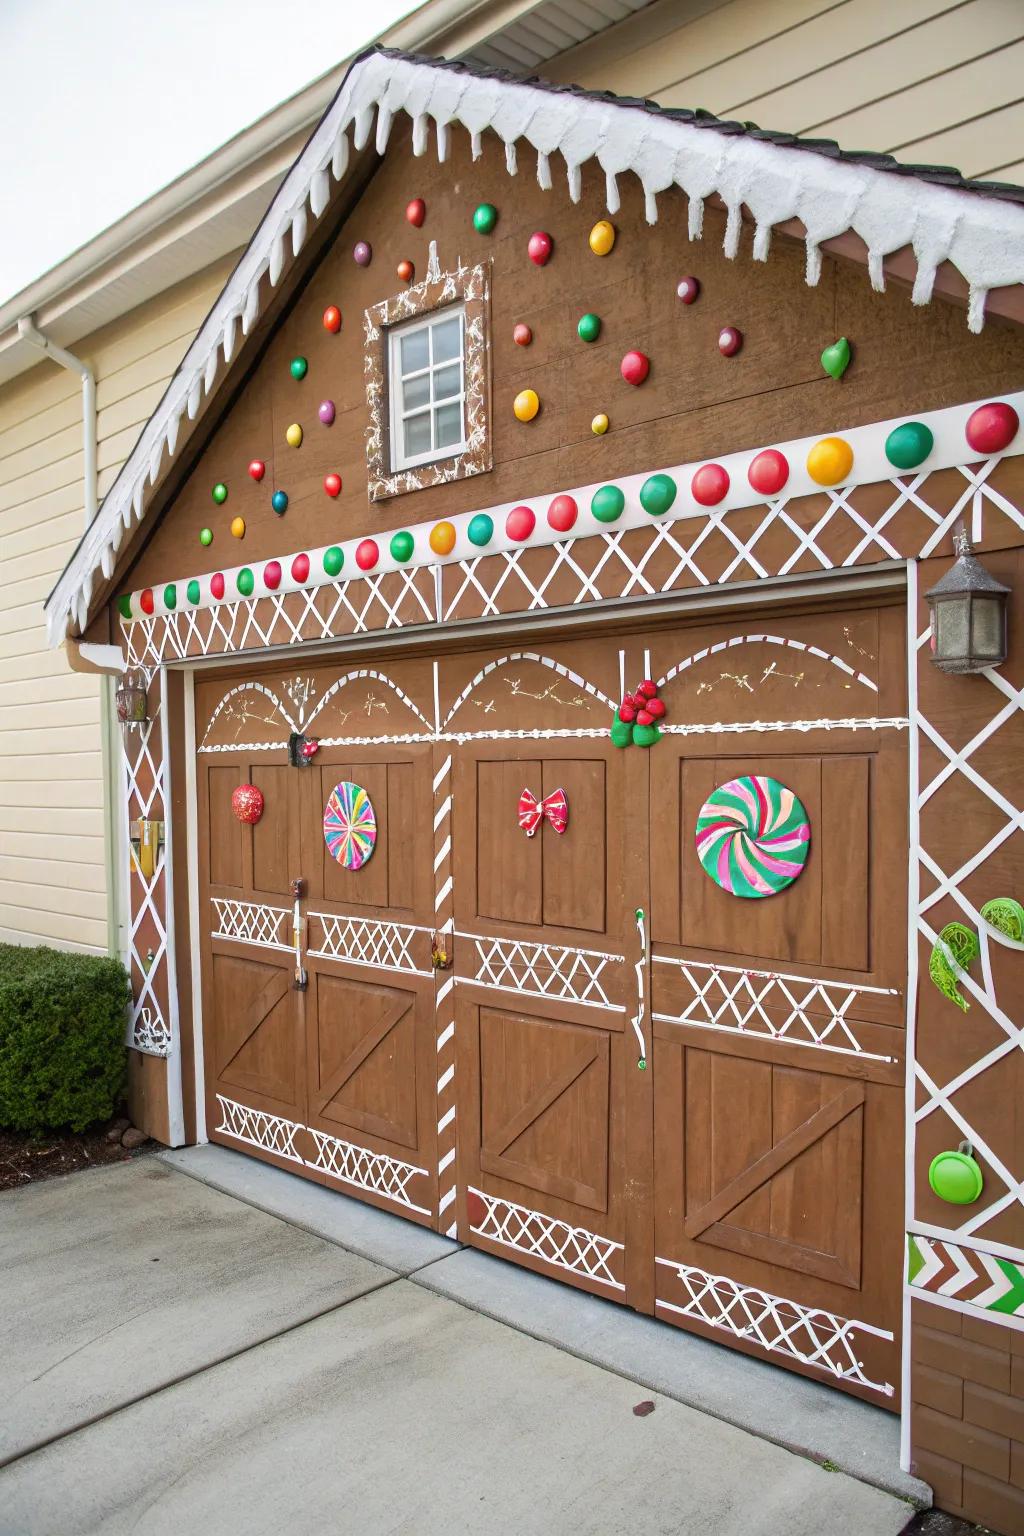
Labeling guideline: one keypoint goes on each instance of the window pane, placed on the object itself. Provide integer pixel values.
(447, 335)
(416, 392)
(417, 435)
(415, 351)
(447, 381)
(448, 424)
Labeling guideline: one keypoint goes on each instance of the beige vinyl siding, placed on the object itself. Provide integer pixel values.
(53, 881)
(926, 80)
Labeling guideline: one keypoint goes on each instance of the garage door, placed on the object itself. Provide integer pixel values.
(630, 1017)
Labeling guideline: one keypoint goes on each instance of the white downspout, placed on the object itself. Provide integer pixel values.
(28, 331)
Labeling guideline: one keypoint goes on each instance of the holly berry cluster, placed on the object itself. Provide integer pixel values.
(636, 719)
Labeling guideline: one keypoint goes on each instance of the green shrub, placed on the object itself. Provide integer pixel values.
(62, 1038)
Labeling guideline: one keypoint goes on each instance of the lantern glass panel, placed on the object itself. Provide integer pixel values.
(987, 628)
(952, 628)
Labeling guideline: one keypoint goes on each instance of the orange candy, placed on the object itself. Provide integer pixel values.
(442, 538)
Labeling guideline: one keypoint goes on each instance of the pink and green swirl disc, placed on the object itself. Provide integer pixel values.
(350, 826)
(753, 836)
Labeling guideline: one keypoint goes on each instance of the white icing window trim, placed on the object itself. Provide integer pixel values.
(400, 412)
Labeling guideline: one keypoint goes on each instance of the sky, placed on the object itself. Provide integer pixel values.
(106, 101)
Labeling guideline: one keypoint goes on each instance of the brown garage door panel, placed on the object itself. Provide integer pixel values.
(362, 1069)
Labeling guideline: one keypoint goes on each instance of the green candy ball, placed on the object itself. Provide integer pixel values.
(124, 604)
(298, 367)
(220, 493)
(480, 530)
(402, 546)
(206, 537)
(909, 444)
(334, 559)
(485, 218)
(622, 733)
(607, 503)
(657, 494)
(645, 735)
(170, 596)
(192, 592)
(245, 581)
(589, 328)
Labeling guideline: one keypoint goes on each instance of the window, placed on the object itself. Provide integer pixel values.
(427, 388)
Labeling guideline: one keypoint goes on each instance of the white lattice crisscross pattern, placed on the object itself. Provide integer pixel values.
(572, 1248)
(249, 922)
(363, 1169)
(363, 941)
(814, 1337)
(149, 1029)
(729, 998)
(257, 1128)
(544, 970)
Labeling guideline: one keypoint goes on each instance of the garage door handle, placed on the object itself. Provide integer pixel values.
(301, 979)
(641, 1006)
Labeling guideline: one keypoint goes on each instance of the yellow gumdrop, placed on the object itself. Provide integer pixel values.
(830, 461)
(602, 237)
(526, 405)
(293, 436)
(600, 424)
(238, 527)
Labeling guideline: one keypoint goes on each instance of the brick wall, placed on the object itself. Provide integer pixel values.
(967, 1418)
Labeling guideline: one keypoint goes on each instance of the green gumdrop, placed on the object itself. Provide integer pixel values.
(645, 735)
(480, 530)
(485, 218)
(220, 493)
(245, 581)
(193, 592)
(836, 359)
(1005, 914)
(589, 328)
(622, 733)
(124, 604)
(334, 559)
(206, 537)
(298, 367)
(909, 444)
(607, 503)
(170, 597)
(657, 494)
(402, 546)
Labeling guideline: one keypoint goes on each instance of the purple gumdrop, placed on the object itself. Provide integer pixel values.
(326, 412)
(362, 253)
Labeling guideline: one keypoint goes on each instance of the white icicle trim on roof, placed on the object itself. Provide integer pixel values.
(982, 237)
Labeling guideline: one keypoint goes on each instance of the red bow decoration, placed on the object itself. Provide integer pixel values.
(533, 811)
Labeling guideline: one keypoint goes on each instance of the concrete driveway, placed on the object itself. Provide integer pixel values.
(174, 1359)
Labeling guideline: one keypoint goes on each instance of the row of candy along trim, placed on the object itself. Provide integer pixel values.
(935, 440)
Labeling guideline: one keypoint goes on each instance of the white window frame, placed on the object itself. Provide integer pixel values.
(396, 379)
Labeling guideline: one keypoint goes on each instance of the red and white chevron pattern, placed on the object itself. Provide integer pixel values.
(444, 999)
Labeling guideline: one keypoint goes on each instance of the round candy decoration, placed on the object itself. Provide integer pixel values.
(602, 237)
(332, 319)
(956, 1178)
(298, 367)
(405, 271)
(247, 803)
(402, 546)
(332, 485)
(279, 502)
(589, 327)
(480, 530)
(206, 537)
(635, 367)
(326, 412)
(992, 427)
(442, 538)
(830, 461)
(522, 335)
(710, 485)
(193, 591)
(362, 253)
(909, 444)
(350, 825)
(688, 290)
(220, 493)
(539, 247)
(416, 212)
(485, 218)
(768, 472)
(657, 494)
(300, 568)
(333, 560)
(729, 340)
(836, 359)
(238, 527)
(245, 581)
(146, 599)
(520, 523)
(170, 597)
(367, 554)
(217, 585)
(526, 405)
(293, 435)
(600, 424)
(257, 469)
(272, 575)
(607, 503)
(562, 514)
(753, 836)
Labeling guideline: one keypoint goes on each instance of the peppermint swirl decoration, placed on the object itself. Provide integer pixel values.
(350, 825)
(753, 836)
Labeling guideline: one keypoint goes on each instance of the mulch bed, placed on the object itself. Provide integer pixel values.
(25, 1158)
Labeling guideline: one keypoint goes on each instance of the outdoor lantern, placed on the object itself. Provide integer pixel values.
(131, 700)
(968, 609)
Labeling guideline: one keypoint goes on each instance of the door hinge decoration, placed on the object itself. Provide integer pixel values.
(298, 924)
(638, 1020)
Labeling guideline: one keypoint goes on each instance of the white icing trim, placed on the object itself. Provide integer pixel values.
(982, 237)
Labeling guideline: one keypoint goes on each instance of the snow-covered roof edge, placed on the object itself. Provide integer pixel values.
(982, 237)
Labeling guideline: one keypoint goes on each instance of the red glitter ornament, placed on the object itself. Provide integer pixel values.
(562, 514)
(416, 212)
(635, 367)
(522, 335)
(272, 574)
(647, 689)
(332, 485)
(405, 271)
(729, 340)
(539, 247)
(146, 600)
(992, 427)
(257, 469)
(655, 708)
(768, 472)
(217, 585)
(367, 555)
(300, 568)
(332, 319)
(709, 485)
(520, 523)
(247, 803)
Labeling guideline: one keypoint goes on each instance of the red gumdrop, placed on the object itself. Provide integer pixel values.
(146, 600)
(217, 586)
(367, 555)
(416, 212)
(627, 714)
(405, 271)
(332, 485)
(539, 247)
(644, 717)
(522, 335)
(628, 698)
(729, 340)
(520, 523)
(992, 427)
(257, 469)
(635, 367)
(272, 574)
(332, 319)
(300, 568)
(710, 485)
(768, 472)
(648, 688)
(656, 708)
(562, 513)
